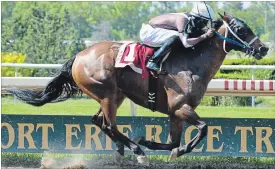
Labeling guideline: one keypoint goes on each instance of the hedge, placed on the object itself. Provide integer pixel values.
(249, 61)
(247, 74)
(13, 57)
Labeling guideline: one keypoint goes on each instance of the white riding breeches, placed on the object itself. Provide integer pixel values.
(155, 37)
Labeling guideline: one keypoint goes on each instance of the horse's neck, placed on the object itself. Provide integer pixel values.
(204, 62)
(214, 57)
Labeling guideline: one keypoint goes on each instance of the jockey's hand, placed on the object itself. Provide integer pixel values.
(210, 33)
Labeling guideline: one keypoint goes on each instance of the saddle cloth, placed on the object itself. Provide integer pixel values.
(134, 55)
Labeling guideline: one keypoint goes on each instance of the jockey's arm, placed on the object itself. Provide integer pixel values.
(189, 42)
(181, 23)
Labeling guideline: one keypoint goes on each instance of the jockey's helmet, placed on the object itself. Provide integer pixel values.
(202, 10)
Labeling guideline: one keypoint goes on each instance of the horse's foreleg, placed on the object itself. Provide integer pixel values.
(187, 114)
(175, 128)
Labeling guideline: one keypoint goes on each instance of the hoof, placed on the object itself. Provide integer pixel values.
(142, 159)
(118, 157)
(174, 154)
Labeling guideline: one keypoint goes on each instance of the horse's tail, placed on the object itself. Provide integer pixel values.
(60, 88)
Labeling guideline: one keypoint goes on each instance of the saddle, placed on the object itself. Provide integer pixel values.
(135, 55)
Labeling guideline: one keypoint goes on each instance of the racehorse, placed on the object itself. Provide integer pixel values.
(180, 91)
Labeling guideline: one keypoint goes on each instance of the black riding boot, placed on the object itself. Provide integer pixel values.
(155, 60)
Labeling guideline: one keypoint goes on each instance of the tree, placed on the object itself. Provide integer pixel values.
(232, 7)
(268, 15)
(6, 9)
(44, 36)
(126, 18)
(87, 15)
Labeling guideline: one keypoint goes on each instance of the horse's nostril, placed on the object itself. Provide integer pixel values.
(264, 49)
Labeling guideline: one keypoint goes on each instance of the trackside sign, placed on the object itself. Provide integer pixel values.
(76, 134)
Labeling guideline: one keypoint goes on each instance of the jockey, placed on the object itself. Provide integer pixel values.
(163, 30)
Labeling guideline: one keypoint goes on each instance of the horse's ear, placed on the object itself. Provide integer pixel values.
(227, 17)
(220, 15)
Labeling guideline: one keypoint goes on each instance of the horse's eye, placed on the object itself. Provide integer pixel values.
(241, 31)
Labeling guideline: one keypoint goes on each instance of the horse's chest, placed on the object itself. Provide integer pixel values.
(193, 86)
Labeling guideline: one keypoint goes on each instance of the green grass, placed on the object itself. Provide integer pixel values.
(90, 107)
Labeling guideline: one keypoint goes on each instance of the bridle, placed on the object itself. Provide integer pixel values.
(249, 50)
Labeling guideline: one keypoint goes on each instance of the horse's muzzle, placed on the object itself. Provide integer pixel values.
(259, 53)
(263, 50)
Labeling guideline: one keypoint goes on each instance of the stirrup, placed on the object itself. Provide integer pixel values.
(152, 66)
(155, 69)
(162, 72)
(155, 73)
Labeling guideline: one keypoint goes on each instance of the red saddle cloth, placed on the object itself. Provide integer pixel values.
(135, 56)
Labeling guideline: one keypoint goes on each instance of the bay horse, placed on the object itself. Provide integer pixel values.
(179, 91)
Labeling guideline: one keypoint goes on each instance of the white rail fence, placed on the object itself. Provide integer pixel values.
(217, 87)
(57, 66)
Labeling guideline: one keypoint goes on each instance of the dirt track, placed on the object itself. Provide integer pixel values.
(162, 166)
(130, 163)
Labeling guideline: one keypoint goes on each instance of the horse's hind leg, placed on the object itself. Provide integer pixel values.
(94, 73)
(188, 114)
(109, 109)
(100, 121)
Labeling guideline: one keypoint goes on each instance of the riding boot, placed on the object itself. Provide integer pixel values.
(154, 61)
